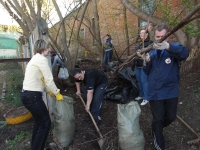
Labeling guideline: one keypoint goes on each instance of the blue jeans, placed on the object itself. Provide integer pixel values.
(107, 58)
(142, 82)
(34, 103)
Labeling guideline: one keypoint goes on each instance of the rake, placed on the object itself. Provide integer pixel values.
(101, 140)
(192, 142)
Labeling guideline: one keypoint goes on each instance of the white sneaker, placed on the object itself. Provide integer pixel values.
(138, 98)
(144, 102)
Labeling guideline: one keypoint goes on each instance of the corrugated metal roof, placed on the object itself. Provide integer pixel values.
(7, 43)
(10, 35)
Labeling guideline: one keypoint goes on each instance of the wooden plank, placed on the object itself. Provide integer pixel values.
(15, 60)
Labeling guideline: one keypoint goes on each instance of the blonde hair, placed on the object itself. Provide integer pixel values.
(40, 46)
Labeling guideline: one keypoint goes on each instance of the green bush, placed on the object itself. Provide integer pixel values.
(14, 98)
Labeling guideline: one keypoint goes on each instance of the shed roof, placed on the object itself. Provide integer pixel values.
(7, 43)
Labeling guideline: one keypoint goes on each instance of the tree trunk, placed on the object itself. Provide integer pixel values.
(78, 30)
(63, 40)
(126, 30)
(97, 29)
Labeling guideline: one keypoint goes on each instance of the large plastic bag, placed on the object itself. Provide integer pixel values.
(64, 124)
(63, 73)
(50, 103)
(130, 135)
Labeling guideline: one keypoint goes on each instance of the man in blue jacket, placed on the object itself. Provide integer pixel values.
(163, 70)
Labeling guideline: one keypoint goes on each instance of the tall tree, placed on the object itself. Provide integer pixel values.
(182, 35)
(27, 13)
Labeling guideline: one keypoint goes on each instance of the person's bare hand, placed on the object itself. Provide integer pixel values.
(87, 108)
(78, 93)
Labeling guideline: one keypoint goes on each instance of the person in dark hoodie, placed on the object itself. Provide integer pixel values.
(138, 66)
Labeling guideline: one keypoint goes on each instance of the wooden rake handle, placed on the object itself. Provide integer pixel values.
(187, 126)
(94, 122)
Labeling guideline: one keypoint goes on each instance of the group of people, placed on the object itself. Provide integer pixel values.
(157, 81)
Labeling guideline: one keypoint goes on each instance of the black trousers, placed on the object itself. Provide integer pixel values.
(34, 103)
(164, 112)
(97, 101)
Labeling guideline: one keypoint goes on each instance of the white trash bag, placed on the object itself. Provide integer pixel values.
(130, 135)
(63, 73)
(64, 124)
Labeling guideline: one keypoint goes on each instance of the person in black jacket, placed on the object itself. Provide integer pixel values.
(138, 66)
(96, 82)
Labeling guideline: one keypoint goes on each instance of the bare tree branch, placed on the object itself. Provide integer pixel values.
(78, 30)
(19, 21)
(177, 27)
(32, 11)
(25, 17)
(39, 8)
(63, 40)
(11, 4)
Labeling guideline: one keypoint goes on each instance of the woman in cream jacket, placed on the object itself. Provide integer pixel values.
(38, 77)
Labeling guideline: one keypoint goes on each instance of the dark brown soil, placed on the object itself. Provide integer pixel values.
(176, 135)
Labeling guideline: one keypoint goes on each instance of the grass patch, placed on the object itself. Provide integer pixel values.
(18, 138)
(14, 79)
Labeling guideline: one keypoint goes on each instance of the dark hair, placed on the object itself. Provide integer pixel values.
(75, 71)
(108, 35)
(144, 29)
(162, 26)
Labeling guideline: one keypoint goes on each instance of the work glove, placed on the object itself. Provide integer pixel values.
(161, 46)
(50, 94)
(138, 53)
(147, 57)
(59, 97)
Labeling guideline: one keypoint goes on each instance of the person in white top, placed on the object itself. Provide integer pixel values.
(38, 78)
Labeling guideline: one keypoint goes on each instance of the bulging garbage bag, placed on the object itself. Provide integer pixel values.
(130, 135)
(64, 124)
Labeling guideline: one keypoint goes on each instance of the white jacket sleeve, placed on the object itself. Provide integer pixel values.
(48, 77)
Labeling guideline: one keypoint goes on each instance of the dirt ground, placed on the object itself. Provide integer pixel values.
(176, 135)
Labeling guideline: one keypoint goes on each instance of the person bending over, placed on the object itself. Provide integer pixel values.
(96, 82)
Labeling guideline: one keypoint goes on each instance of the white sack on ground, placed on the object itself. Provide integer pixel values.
(64, 124)
(130, 135)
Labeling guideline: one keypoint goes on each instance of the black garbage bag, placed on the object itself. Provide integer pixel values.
(129, 75)
(123, 94)
(114, 94)
(120, 94)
